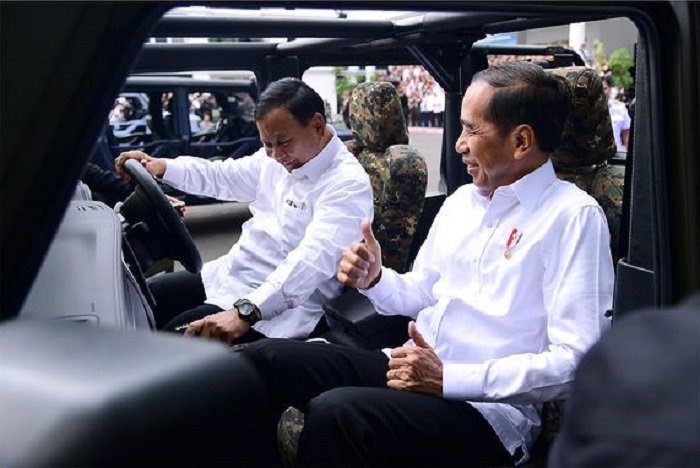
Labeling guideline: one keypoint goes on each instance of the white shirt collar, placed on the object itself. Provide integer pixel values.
(319, 163)
(527, 189)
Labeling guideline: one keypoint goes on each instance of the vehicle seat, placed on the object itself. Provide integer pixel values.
(397, 171)
(399, 175)
(588, 147)
(583, 158)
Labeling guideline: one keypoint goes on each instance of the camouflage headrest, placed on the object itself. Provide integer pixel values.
(376, 116)
(587, 139)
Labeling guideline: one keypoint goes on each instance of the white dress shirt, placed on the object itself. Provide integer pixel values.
(286, 259)
(621, 121)
(510, 291)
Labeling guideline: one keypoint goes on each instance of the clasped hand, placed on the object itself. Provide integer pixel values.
(415, 368)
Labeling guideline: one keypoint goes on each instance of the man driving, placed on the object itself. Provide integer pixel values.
(307, 194)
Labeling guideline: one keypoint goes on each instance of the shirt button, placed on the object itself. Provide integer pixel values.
(489, 225)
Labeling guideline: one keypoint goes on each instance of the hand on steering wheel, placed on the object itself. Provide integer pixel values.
(154, 166)
(149, 205)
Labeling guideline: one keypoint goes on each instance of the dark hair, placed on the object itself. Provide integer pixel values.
(526, 94)
(293, 94)
(608, 79)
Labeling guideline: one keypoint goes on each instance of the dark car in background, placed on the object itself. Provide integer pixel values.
(179, 114)
(129, 115)
(75, 394)
(171, 114)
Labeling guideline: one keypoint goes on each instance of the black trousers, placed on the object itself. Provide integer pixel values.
(176, 293)
(180, 300)
(353, 419)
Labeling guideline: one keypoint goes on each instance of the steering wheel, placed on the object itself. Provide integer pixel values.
(154, 228)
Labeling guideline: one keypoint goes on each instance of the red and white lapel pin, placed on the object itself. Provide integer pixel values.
(513, 240)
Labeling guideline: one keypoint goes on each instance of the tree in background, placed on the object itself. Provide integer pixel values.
(345, 83)
(618, 64)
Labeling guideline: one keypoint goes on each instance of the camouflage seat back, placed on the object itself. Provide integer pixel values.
(400, 205)
(607, 188)
(588, 144)
(587, 139)
(289, 429)
(582, 158)
(583, 179)
(397, 172)
(376, 117)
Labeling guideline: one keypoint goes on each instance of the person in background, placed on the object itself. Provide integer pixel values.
(206, 125)
(619, 116)
(396, 81)
(438, 101)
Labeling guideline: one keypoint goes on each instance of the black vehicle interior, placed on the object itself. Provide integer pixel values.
(78, 395)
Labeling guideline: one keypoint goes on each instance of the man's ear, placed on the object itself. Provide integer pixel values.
(524, 139)
(319, 122)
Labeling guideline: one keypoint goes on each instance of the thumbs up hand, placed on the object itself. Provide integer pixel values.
(416, 336)
(415, 368)
(361, 264)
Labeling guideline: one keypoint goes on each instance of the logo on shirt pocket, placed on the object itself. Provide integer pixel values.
(299, 205)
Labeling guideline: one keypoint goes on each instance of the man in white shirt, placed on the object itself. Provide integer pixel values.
(508, 291)
(308, 195)
(619, 116)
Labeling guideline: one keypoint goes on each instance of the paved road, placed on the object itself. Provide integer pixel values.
(428, 140)
(215, 228)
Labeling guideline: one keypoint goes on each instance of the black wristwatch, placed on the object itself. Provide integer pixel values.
(247, 311)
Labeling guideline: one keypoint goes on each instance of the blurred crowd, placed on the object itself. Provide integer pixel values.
(203, 110)
(121, 112)
(424, 99)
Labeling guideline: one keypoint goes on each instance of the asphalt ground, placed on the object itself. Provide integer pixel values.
(216, 227)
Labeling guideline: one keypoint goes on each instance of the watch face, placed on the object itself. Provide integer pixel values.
(246, 308)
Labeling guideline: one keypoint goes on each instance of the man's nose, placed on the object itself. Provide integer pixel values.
(461, 145)
(273, 152)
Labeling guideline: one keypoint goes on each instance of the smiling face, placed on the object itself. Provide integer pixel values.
(289, 142)
(490, 156)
